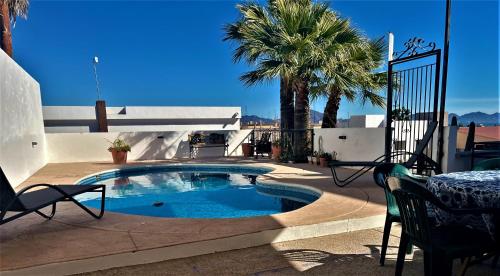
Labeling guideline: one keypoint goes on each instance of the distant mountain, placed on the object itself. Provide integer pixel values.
(246, 119)
(476, 117)
(316, 116)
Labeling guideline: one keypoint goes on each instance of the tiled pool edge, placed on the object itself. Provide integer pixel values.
(202, 247)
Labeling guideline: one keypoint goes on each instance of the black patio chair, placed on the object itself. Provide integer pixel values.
(488, 164)
(440, 244)
(380, 175)
(417, 156)
(24, 202)
(263, 145)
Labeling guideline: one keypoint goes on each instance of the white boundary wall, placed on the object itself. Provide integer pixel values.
(361, 144)
(22, 137)
(87, 147)
(366, 144)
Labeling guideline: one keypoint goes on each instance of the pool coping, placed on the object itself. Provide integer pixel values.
(299, 227)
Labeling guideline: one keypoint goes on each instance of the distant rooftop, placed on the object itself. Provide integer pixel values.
(489, 133)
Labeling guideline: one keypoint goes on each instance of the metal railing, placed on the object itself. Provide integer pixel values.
(295, 144)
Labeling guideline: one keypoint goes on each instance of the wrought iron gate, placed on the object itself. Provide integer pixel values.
(412, 102)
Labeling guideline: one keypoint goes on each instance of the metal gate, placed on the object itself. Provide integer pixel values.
(412, 103)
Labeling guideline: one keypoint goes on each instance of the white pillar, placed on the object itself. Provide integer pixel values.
(391, 46)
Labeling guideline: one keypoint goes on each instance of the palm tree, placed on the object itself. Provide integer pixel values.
(350, 76)
(255, 33)
(309, 48)
(286, 39)
(10, 10)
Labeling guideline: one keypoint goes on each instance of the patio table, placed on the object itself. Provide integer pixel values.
(470, 189)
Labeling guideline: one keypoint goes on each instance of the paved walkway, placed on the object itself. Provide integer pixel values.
(354, 253)
(73, 241)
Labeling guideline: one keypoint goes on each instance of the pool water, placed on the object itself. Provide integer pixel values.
(195, 192)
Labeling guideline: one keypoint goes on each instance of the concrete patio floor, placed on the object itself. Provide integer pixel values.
(74, 242)
(353, 253)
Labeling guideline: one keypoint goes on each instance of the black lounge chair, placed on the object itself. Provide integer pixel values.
(24, 202)
(418, 155)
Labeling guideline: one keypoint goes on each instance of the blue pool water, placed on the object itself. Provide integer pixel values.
(191, 191)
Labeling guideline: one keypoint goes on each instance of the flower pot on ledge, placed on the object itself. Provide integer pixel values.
(119, 157)
(119, 151)
(247, 149)
(323, 162)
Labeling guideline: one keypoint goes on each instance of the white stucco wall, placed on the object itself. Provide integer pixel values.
(366, 144)
(366, 121)
(21, 122)
(86, 147)
(73, 119)
(361, 144)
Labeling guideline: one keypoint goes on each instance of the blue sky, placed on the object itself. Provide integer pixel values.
(171, 52)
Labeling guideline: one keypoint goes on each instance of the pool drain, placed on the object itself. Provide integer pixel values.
(157, 203)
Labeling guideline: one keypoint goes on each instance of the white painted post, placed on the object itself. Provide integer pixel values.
(391, 46)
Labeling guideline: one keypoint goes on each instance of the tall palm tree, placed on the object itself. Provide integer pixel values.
(286, 39)
(255, 33)
(308, 47)
(9, 11)
(351, 76)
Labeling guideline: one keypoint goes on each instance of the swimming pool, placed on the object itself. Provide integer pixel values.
(195, 191)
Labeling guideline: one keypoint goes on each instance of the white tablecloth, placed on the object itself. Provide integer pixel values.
(471, 189)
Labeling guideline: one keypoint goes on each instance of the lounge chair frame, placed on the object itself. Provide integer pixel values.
(418, 155)
(15, 204)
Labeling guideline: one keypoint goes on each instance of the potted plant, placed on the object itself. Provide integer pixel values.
(247, 149)
(276, 149)
(314, 157)
(324, 158)
(119, 151)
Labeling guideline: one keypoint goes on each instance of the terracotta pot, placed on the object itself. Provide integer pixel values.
(276, 152)
(323, 162)
(247, 149)
(119, 157)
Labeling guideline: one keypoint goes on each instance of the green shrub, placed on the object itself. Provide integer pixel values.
(119, 145)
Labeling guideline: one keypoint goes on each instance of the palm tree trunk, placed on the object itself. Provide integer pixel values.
(6, 42)
(331, 110)
(301, 121)
(286, 104)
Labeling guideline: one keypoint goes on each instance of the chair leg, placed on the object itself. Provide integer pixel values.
(101, 212)
(442, 265)
(385, 238)
(464, 266)
(495, 261)
(52, 213)
(409, 250)
(427, 263)
(403, 244)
